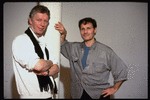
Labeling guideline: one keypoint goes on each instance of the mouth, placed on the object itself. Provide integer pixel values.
(85, 35)
(40, 29)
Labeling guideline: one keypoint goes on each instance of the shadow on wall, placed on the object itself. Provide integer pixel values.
(65, 78)
(14, 91)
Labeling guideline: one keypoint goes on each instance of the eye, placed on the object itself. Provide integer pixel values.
(38, 19)
(88, 28)
(82, 29)
(46, 21)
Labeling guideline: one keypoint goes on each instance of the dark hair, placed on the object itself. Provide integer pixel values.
(39, 9)
(87, 20)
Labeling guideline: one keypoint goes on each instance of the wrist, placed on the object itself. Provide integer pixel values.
(50, 63)
(115, 88)
(48, 72)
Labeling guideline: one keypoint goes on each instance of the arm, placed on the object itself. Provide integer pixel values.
(42, 66)
(22, 54)
(65, 45)
(112, 90)
(52, 71)
(61, 30)
(119, 72)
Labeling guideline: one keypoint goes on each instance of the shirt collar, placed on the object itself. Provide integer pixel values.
(40, 40)
(93, 45)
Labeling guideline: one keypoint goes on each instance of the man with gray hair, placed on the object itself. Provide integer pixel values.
(33, 65)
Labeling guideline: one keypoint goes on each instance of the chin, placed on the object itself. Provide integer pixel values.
(86, 39)
(40, 33)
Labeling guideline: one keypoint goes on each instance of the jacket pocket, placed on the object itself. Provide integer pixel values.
(75, 59)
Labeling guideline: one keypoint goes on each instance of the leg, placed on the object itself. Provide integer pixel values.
(85, 95)
(108, 97)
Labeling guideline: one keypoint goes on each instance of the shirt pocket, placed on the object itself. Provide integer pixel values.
(99, 67)
(75, 59)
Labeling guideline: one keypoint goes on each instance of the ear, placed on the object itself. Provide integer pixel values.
(95, 30)
(30, 21)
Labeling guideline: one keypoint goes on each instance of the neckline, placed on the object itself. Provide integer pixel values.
(86, 48)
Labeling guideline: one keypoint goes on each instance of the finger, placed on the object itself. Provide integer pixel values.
(104, 92)
(57, 25)
(58, 29)
(106, 95)
(44, 73)
(60, 23)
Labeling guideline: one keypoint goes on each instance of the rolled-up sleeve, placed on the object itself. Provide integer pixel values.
(66, 48)
(53, 59)
(24, 53)
(118, 68)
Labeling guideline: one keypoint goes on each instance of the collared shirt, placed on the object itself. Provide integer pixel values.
(24, 59)
(101, 60)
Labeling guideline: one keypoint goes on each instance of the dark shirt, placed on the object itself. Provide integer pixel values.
(86, 51)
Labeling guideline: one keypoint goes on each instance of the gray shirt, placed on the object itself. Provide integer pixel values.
(93, 78)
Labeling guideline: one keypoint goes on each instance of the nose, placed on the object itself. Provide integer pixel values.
(42, 23)
(85, 31)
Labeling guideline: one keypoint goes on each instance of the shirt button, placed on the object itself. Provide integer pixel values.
(81, 82)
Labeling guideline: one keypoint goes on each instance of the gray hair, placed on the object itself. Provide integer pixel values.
(39, 9)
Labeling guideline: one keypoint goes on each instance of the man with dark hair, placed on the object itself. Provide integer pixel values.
(33, 65)
(91, 63)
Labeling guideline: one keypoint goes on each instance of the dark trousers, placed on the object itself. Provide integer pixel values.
(49, 98)
(86, 96)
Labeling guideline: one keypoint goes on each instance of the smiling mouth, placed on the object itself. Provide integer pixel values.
(41, 29)
(85, 35)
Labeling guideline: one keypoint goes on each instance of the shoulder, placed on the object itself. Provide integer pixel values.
(76, 43)
(22, 40)
(103, 47)
(72, 44)
(21, 37)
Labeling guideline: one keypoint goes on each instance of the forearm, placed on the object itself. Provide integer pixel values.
(117, 85)
(61, 30)
(52, 71)
(42, 65)
(63, 36)
(112, 90)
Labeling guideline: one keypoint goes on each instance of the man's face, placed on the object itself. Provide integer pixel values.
(87, 31)
(39, 23)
